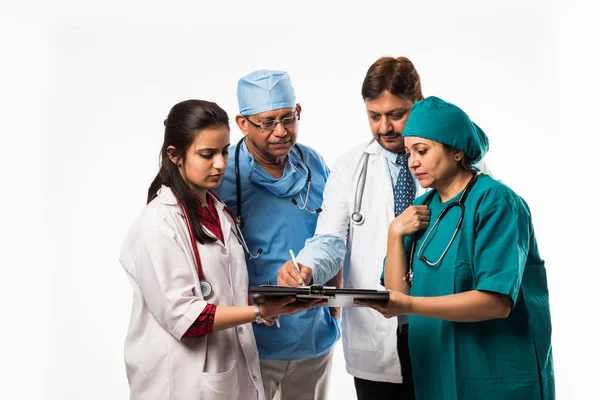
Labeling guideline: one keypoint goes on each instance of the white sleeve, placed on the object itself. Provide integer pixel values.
(335, 217)
(325, 252)
(160, 269)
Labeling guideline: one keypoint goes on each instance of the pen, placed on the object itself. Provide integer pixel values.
(296, 264)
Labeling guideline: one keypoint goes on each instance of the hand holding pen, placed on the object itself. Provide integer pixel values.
(294, 274)
(297, 267)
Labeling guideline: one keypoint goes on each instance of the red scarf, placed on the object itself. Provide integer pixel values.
(210, 218)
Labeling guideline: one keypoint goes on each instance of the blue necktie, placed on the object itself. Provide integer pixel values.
(404, 195)
(405, 190)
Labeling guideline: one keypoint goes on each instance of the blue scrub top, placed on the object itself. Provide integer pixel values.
(273, 223)
(495, 250)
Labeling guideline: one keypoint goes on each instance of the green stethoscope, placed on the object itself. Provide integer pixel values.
(460, 203)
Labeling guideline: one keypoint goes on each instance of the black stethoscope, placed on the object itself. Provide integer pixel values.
(460, 203)
(205, 286)
(238, 190)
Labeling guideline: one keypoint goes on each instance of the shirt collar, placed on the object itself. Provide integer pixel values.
(166, 196)
(373, 147)
(391, 157)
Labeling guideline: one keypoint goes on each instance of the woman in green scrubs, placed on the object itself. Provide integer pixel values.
(479, 317)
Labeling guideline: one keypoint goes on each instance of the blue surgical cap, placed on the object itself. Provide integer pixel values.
(265, 90)
(443, 122)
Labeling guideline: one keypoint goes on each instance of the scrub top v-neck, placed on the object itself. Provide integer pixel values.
(495, 250)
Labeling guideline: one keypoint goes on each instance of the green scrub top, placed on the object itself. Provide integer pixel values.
(495, 250)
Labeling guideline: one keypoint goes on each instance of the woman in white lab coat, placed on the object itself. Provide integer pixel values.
(189, 335)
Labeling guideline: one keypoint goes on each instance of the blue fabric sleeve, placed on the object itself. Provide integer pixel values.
(501, 243)
(324, 254)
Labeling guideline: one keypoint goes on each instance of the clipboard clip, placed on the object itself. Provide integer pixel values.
(316, 292)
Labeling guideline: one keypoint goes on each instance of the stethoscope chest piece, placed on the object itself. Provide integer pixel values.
(410, 277)
(205, 288)
(358, 218)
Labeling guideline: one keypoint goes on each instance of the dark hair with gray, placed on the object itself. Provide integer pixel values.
(185, 121)
(396, 75)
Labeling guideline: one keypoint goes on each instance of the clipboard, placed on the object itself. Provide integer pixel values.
(336, 297)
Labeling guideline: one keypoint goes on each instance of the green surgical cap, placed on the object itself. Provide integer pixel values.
(443, 122)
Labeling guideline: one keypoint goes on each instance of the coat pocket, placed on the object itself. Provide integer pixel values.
(221, 385)
(361, 325)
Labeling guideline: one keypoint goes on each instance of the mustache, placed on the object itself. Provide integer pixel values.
(281, 141)
(390, 135)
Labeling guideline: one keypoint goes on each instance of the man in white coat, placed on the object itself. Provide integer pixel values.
(361, 198)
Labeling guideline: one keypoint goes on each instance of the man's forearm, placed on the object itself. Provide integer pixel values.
(324, 254)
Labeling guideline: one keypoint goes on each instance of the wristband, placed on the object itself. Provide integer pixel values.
(258, 318)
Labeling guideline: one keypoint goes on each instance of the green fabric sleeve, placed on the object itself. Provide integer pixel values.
(503, 228)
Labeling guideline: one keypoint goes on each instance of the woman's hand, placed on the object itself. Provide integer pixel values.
(413, 219)
(398, 304)
(270, 309)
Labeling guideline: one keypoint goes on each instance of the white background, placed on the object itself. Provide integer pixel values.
(84, 88)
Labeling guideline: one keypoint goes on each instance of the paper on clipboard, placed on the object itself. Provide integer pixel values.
(342, 297)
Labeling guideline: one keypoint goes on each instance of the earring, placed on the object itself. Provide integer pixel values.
(457, 157)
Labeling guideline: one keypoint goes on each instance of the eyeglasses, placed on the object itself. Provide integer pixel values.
(268, 125)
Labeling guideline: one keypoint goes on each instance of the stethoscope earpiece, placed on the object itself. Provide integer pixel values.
(240, 237)
(304, 208)
(238, 195)
(238, 184)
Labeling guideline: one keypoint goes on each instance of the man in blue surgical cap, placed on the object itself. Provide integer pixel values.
(275, 186)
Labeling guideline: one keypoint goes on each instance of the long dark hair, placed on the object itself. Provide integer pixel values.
(185, 121)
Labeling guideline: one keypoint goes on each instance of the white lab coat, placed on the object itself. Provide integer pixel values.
(369, 339)
(158, 258)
